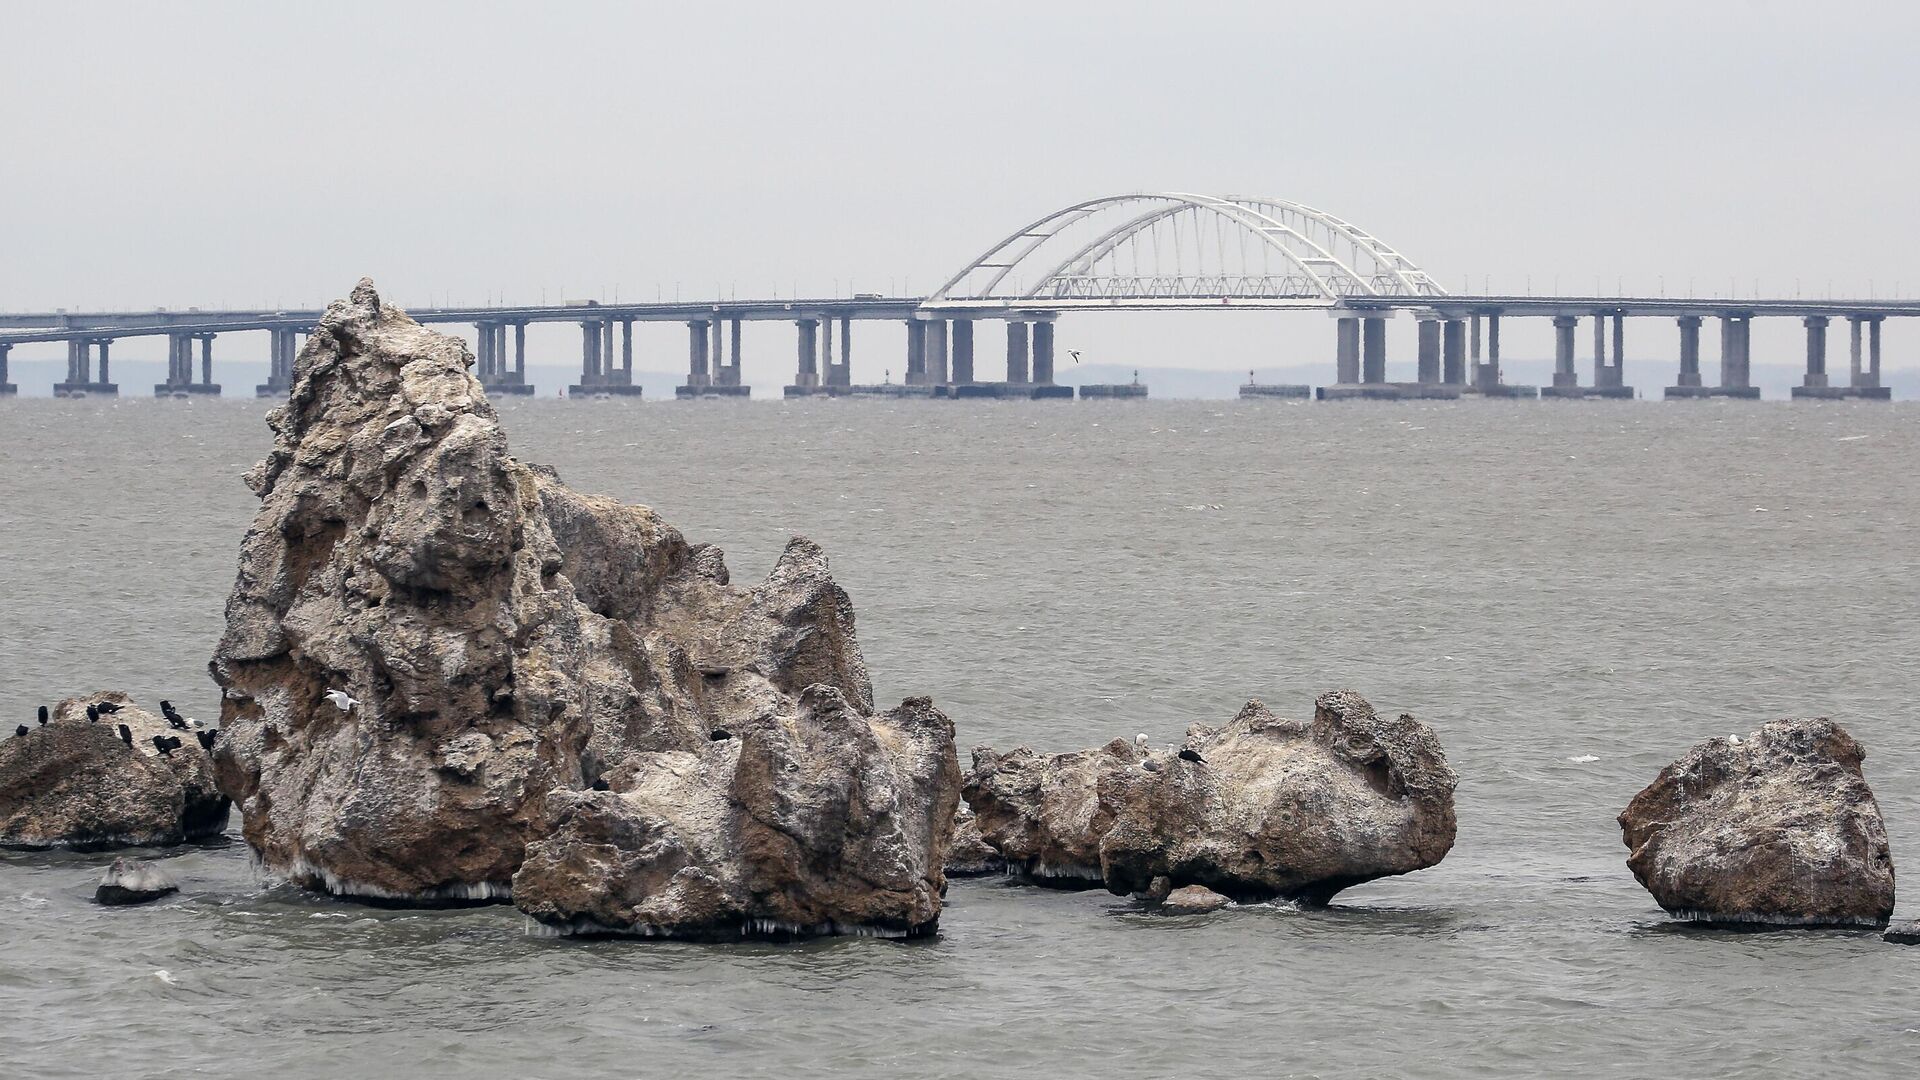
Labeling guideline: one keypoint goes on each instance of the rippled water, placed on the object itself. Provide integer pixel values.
(1537, 581)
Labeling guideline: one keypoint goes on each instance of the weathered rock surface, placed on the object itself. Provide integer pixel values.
(1778, 827)
(1193, 900)
(133, 881)
(74, 783)
(1904, 932)
(540, 669)
(970, 855)
(1271, 808)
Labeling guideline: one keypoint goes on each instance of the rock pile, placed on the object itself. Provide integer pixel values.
(558, 697)
(77, 782)
(1258, 809)
(1778, 827)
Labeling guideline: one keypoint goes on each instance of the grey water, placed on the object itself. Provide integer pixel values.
(1537, 581)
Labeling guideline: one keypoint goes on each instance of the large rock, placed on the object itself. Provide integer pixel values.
(1270, 808)
(970, 855)
(74, 783)
(540, 667)
(1778, 827)
(133, 881)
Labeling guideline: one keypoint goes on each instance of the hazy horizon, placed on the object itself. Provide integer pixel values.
(238, 155)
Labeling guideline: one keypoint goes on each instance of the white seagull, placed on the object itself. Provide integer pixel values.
(342, 700)
(1140, 741)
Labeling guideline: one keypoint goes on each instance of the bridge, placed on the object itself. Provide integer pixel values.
(1142, 251)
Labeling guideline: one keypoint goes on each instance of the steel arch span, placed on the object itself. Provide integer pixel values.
(1156, 247)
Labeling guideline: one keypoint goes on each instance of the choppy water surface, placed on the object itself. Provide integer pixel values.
(1537, 581)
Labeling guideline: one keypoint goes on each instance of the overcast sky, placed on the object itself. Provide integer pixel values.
(269, 154)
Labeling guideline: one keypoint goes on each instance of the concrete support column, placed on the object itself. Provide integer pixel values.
(1689, 350)
(206, 359)
(1346, 359)
(916, 353)
(733, 373)
(1563, 372)
(936, 331)
(1016, 351)
(520, 352)
(1043, 353)
(1428, 332)
(1599, 349)
(106, 376)
(1617, 371)
(1453, 350)
(841, 373)
(1474, 353)
(1490, 371)
(697, 354)
(1816, 350)
(606, 351)
(826, 346)
(963, 350)
(6, 382)
(807, 373)
(589, 354)
(1853, 350)
(1873, 352)
(626, 352)
(1373, 350)
(1733, 351)
(721, 372)
(483, 349)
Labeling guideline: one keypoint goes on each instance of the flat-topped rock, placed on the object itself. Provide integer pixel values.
(1258, 809)
(77, 783)
(1193, 900)
(133, 881)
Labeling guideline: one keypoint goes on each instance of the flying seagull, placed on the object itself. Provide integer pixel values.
(342, 700)
(1075, 353)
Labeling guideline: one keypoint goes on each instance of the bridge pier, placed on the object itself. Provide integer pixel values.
(80, 381)
(490, 358)
(1453, 365)
(916, 353)
(936, 350)
(1373, 350)
(697, 375)
(1564, 375)
(962, 352)
(1860, 383)
(1428, 334)
(1736, 333)
(1016, 352)
(280, 361)
(7, 388)
(1043, 385)
(1346, 363)
(839, 375)
(180, 368)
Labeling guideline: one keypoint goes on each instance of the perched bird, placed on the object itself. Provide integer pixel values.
(166, 707)
(1140, 741)
(20, 729)
(93, 715)
(600, 784)
(164, 745)
(719, 735)
(126, 735)
(107, 708)
(206, 738)
(43, 714)
(177, 722)
(342, 700)
(1190, 754)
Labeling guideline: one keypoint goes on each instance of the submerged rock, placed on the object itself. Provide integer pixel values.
(1193, 900)
(560, 698)
(1777, 828)
(1904, 932)
(76, 783)
(1261, 808)
(132, 881)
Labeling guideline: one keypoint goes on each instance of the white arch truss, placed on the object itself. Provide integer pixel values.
(1181, 246)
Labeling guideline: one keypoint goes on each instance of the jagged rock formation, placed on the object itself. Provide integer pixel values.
(1261, 808)
(542, 669)
(74, 782)
(132, 881)
(1779, 827)
(970, 855)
